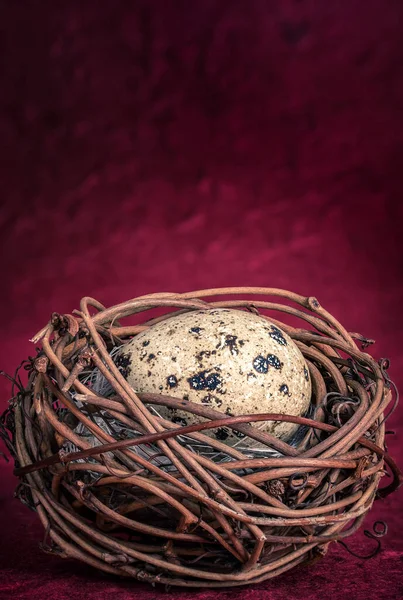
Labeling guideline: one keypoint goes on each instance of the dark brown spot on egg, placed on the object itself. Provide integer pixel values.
(277, 335)
(213, 381)
(172, 381)
(148, 373)
(146, 342)
(231, 343)
(274, 361)
(284, 389)
(260, 364)
(204, 381)
(202, 354)
(197, 382)
(122, 362)
(195, 330)
(306, 374)
(150, 357)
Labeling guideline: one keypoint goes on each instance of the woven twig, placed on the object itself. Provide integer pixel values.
(132, 496)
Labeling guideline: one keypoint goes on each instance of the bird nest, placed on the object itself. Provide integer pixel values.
(120, 488)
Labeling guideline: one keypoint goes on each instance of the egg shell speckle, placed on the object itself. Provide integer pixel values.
(230, 360)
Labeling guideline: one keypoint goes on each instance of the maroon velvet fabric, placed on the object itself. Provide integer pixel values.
(174, 145)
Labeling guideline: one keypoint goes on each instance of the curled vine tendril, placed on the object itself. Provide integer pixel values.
(379, 530)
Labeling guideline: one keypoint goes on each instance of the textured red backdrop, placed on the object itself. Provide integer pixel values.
(172, 145)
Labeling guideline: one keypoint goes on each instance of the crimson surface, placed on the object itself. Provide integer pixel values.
(171, 145)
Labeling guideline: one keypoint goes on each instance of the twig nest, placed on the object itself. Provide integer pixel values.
(230, 360)
(117, 435)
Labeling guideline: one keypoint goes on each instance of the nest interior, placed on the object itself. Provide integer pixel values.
(122, 489)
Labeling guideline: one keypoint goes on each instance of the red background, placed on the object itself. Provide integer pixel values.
(173, 145)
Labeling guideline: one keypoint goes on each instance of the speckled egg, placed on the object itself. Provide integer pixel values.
(230, 360)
